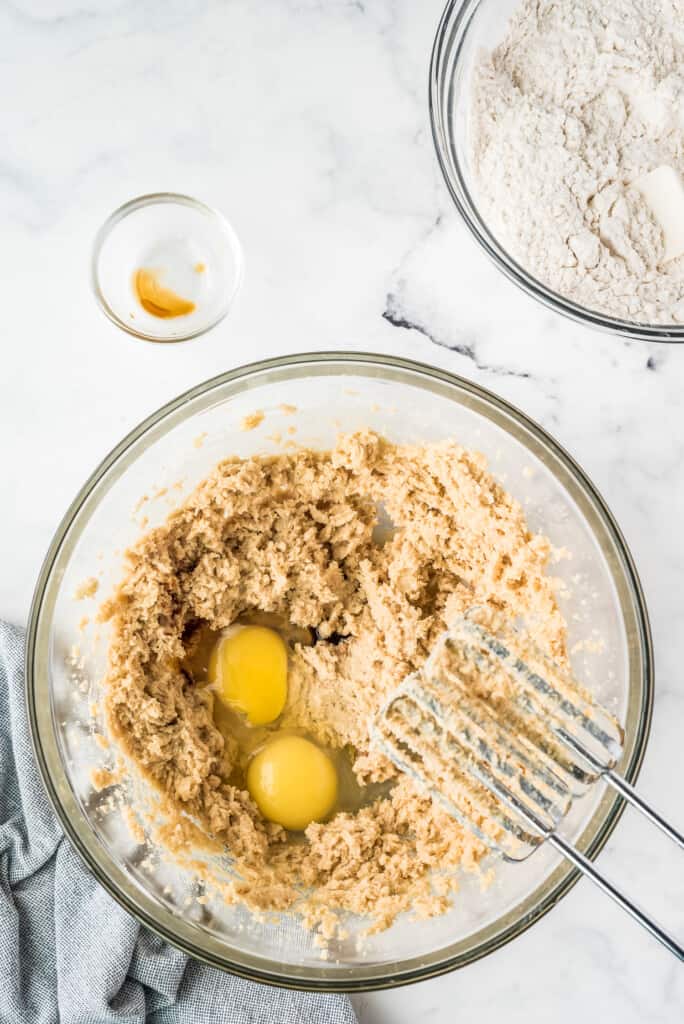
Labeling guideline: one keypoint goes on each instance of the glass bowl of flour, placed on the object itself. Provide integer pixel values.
(559, 128)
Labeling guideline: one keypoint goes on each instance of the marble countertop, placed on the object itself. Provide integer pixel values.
(306, 122)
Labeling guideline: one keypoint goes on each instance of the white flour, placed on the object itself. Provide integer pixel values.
(581, 99)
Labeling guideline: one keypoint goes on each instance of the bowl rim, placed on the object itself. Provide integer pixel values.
(451, 31)
(299, 979)
(156, 199)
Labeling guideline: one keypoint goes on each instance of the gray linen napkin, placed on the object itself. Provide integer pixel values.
(68, 951)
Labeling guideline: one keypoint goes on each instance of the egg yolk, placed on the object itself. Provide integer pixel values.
(292, 782)
(248, 668)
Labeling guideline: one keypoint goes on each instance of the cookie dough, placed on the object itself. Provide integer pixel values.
(297, 535)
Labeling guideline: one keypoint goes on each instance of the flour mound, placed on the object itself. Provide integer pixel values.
(579, 101)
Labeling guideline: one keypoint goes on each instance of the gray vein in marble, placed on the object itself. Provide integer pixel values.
(394, 317)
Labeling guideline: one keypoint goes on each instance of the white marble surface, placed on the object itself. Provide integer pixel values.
(306, 122)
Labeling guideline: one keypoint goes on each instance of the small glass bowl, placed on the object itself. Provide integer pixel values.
(468, 27)
(190, 247)
(177, 446)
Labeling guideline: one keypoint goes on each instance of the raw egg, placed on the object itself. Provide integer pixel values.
(248, 669)
(292, 782)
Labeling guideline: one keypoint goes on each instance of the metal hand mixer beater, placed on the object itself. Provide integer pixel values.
(508, 771)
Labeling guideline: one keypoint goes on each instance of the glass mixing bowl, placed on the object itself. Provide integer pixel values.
(465, 29)
(166, 456)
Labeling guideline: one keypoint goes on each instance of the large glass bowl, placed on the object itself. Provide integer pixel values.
(465, 29)
(408, 402)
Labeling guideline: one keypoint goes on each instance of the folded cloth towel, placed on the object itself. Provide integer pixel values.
(68, 951)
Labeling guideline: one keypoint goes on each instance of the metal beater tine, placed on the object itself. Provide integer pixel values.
(420, 736)
(494, 751)
(554, 755)
(405, 760)
(582, 725)
(568, 713)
